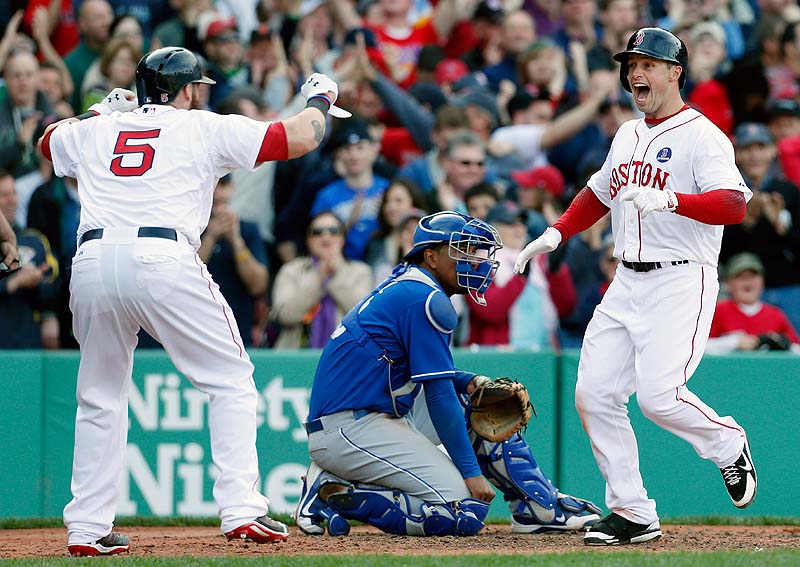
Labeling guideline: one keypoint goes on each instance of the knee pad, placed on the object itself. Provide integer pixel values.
(395, 512)
(511, 467)
(388, 510)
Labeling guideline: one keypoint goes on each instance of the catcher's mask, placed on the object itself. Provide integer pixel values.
(655, 43)
(472, 243)
(162, 73)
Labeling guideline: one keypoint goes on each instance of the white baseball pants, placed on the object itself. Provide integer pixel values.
(119, 283)
(647, 336)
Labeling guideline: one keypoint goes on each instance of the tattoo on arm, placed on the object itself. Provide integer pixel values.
(319, 129)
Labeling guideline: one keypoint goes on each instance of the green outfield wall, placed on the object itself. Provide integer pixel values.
(169, 469)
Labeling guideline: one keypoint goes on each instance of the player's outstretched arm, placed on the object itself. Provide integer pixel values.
(585, 210)
(118, 100)
(306, 129)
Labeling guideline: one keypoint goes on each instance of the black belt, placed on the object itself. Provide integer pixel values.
(316, 424)
(144, 232)
(647, 266)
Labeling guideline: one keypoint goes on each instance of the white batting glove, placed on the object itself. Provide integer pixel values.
(319, 84)
(649, 200)
(547, 242)
(118, 100)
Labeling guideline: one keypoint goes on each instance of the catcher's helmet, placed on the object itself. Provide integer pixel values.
(161, 74)
(655, 43)
(475, 266)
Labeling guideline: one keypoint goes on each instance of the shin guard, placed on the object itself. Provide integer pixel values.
(396, 512)
(511, 467)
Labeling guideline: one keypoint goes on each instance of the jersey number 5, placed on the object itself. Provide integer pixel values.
(122, 147)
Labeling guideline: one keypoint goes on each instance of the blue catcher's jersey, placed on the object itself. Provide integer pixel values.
(387, 345)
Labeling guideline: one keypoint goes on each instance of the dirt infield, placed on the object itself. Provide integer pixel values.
(170, 542)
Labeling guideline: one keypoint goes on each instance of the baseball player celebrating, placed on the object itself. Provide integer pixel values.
(671, 184)
(146, 180)
(385, 397)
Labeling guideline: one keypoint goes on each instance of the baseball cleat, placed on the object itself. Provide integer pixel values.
(741, 479)
(616, 530)
(313, 515)
(570, 514)
(112, 544)
(261, 530)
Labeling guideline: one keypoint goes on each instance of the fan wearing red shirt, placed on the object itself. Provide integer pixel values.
(740, 321)
(400, 41)
(61, 16)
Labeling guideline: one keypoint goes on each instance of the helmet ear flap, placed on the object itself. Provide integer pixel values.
(623, 75)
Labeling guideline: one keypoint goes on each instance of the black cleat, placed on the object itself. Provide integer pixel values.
(616, 530)
(740, 479)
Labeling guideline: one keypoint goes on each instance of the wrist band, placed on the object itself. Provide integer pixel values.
(242, 255)
(85, 115)
(323, 97)
(320, 102)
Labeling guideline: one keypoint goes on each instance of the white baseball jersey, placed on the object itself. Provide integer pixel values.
(686, 153)
(153, 166)
(656, 322)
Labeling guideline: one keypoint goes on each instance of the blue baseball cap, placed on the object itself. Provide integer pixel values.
(749, 133)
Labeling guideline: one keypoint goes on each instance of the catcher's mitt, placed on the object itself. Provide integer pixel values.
(499, 408)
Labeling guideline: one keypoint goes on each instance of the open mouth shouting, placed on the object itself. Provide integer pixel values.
(640, 92)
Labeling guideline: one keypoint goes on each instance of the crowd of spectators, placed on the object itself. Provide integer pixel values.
(499, 108)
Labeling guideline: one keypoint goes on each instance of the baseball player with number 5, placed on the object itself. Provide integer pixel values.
(671, 184)
(146, 174)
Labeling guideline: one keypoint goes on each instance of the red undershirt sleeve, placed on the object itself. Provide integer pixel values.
(275, 145)
(45, 148)
(585, 210)
(723, 206)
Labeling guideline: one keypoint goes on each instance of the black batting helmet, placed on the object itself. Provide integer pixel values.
(161, 74)
(655, 43)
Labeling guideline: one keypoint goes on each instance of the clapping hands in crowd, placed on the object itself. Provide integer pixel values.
(770, 206)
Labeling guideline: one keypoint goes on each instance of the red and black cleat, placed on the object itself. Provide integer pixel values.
(112, 544)
(260, 530)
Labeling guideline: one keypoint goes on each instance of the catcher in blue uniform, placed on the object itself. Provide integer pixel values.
(386, 394)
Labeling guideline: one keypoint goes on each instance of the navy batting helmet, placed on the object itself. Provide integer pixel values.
(472, 243)
(655, 43)
(161, 74)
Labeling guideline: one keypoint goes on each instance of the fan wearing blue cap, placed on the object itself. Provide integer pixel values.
(356, 195)
(385, 396)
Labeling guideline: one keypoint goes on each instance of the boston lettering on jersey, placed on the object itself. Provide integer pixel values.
(638, 173)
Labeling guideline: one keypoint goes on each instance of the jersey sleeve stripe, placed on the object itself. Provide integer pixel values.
(46, 145)
(275, 145)
(429, 374)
